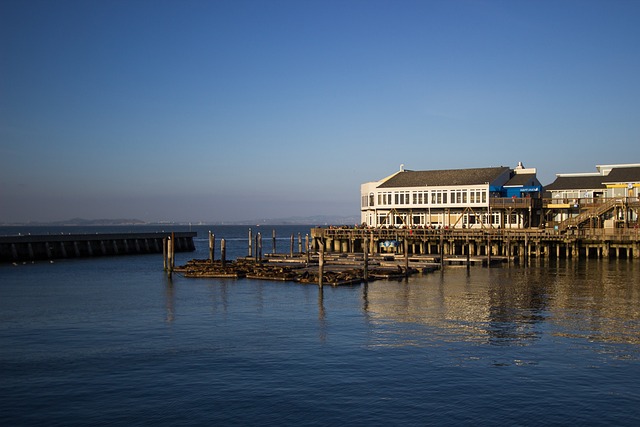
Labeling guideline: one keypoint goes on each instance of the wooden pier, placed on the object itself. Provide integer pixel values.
(59, 246)
(503, 243)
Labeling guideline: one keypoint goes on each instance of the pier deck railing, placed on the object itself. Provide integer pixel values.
(630, 234)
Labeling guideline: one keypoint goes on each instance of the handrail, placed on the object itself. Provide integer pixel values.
(402, 233)
(596, 210)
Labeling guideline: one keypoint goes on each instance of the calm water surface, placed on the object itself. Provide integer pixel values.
(114, 341)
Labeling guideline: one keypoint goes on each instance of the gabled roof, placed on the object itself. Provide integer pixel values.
(438, 178)
(594, 181)
(623, 175)
(521, 179)
(577, 183)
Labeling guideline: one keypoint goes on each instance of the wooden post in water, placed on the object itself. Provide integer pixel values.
(321, 262)
(365, 248)
(250, 243)
(273, 236)
(223, 251)
(164, 253)
(173, 250)
(256, 246)
(306, 246)
(259, 248)
(291, 246)
(372, 243)
(441, 249)
(169, 256)
(406, 255)
(468, 254)
(489, 249)
(212, 246)
(299, 243)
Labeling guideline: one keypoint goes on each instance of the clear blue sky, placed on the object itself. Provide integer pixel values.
(229, 110)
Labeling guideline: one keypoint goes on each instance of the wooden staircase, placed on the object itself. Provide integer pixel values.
(594, 211)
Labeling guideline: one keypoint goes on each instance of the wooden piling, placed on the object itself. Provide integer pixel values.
(468, 254)
(273, 238)
(441, 249)
(366, 260)
(321, 263)
(291, 246)
(212, 246)
(164, 254)
(250, 243)
(223, 251)
(406, 256)
(489, 249)
(169, 259)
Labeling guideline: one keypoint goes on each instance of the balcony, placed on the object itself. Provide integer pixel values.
(512, 202)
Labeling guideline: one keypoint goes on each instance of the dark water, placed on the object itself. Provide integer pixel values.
(114, 341)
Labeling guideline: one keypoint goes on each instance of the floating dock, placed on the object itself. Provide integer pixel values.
(60, 246)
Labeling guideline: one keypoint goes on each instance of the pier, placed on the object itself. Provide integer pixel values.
(60, 246)
(347, 255)
(458, 244)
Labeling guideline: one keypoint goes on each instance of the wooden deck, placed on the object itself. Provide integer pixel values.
(516, 243)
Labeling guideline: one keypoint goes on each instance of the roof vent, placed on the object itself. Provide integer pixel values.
(402, 167)
(520, 166)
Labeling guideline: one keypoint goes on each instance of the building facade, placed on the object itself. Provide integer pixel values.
(496, 197)
(605, 198)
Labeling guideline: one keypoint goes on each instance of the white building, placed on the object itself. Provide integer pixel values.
(457, 198)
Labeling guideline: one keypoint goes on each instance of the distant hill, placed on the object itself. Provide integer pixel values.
(90, 222)
(300, 220)
(294, 220)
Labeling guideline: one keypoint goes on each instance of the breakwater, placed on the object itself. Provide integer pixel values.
(60, 246)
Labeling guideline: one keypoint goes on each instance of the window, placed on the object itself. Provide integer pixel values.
(444, 196)
(372, 199)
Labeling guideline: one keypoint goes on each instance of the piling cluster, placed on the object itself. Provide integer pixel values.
(293, 271)
(302, 267)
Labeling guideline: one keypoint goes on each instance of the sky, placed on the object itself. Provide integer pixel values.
(230, 110)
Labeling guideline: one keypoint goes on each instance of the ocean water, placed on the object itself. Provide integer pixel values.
(115, 341)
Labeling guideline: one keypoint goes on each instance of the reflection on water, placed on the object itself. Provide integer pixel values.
(592, 301)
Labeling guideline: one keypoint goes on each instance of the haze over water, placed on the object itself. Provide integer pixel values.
(113, 340)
